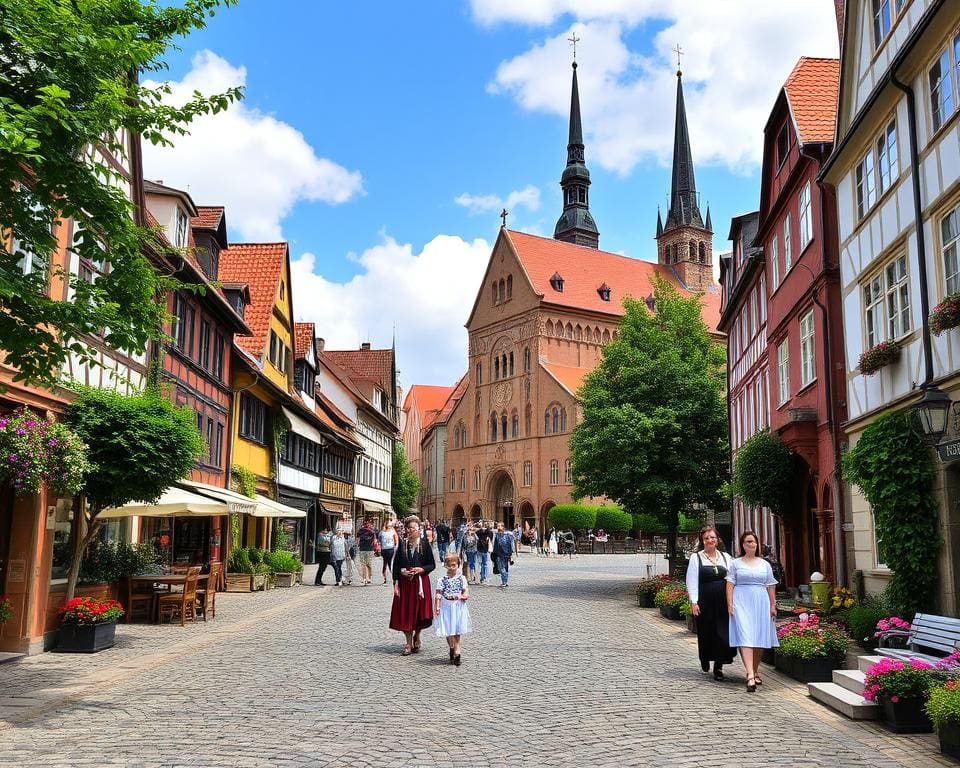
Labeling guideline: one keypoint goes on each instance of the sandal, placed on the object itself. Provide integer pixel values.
(757, 678)
(416, 648)
(407, 650)
(751, 687)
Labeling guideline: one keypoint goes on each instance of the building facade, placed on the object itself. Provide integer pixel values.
(421, 408)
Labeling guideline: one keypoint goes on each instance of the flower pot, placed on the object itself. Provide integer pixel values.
(239, 582)
(86, 638)
(645, 600)
(670, 612)
(949, 734)
(285, 579)
(906, 715)
(816, 670)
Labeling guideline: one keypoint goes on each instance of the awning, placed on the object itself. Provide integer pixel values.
(334, 510)
(174, 501)
(235, 501)
(270, 508)
(372, 508)
(303, 428)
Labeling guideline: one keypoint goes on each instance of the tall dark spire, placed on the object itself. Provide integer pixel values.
(684, 208)
(575, 224)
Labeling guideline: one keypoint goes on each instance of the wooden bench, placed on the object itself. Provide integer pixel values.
(930, 638)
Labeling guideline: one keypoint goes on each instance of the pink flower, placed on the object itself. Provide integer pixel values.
(894, 699)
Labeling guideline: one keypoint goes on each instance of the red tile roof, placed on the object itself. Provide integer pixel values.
(585, 269)
(569, 378)
(208, 216)
(303, 334)
(428, 397)
(374, 365)
(260, 266)
(443, 416)
(812, 91)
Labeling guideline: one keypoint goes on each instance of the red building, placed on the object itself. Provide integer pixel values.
(797, 233)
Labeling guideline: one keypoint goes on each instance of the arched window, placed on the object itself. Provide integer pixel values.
(606, 335)
(476, 478)
(703, 253)
(479, 374)
(526, 359)
(503, 425)
(493, 427)
(511, 363)
(494, 287)
(515, 424)
(548, 328)
(555, 419)
(526, 391)
(568, 471)
(453, 480)
(503, 364)
(496, 368)
(578, 332)
(503, 291)
(456, 437)
(546, 423)
(676, 253)
(528, 473)
(563, 419)
(693, 250)
(463, 437)
(568, 331)
(554, 472)
(509, 286)
(463, 479)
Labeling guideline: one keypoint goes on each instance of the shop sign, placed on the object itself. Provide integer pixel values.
(337, 488)
(950, 450)
(17, 571)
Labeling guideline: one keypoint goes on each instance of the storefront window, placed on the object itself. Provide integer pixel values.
(62, 517)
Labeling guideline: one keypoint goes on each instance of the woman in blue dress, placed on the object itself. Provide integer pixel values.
(751, 603)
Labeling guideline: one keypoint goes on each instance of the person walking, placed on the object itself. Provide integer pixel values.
(503, 545)
(534, 537)
(752, 606)
(324, 540)
(484, 541)
(552, 546)
(366, 545)
(706, 587)
(468, 551)
(453, 617)
(441, 533)
(338, 553)
(351, 542)
(517, 533)
(388, 545)
(412, 609)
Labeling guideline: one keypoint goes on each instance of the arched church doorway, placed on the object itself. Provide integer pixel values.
(458, 515)
(501, 499)
(475, 512)
(528, 517)
(544, 515)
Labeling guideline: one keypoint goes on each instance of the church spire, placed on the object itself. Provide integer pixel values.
(575, 224)
(684, 208)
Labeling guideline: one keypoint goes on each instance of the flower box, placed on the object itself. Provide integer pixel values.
(258, 582)
(816, 670)
(285, 580)
(86, 638)
(945, 315)
(877, 357)
(670, 612)
(949, 734)
(905, 715)
(239, 582)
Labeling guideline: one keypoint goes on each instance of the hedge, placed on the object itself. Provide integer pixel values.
(613, 519)
(572, 517)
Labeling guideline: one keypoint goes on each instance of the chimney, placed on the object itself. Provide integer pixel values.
(839, 8)
(319, 343)
(365, 346)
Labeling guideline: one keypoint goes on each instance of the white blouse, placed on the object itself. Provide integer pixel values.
(693, 572)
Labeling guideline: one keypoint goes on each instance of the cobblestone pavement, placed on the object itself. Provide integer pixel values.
(563, 670)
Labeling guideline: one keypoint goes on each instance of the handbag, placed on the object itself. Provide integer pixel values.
(496, 569)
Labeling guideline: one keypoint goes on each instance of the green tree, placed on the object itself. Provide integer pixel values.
(139, 446)
(572, 517)
(654, 431)
(762, 471)
(406, 484)
(612, 519)
(69, 82)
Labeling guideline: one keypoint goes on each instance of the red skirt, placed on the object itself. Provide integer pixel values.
(411, 612)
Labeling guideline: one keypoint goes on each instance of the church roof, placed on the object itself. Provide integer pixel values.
(812, 91)
(260, 266)
(585, 269)
(684, 206)
(571, 379)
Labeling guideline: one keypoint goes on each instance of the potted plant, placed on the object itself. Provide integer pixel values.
(284, 567)
(943, 709)
(260, 579)
(37, 452)
(878, 356)
(809, 649)
(892, 632)
(669, 599)
(648, 588)
(901, 689)
(946, 314)
(88, 625)
(239, 576)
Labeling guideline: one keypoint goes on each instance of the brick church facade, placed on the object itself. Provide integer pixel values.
(543, 312)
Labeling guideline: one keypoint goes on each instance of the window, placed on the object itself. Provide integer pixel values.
(775, 260)
(886, 302)
(479, 378)
(494, 291)
(528, 420)
(888, 163)
(453, 480)
(180, 320)
(253, 418)
(554, 472)
(493, 428)
(526, 360)
(941, 84)
(278, 352)
(503, 426)
(949, 235)
(456, 437)
(463, 479)
(509, 286)
(476, 478)
(219, 350)
(884, 13)
(568, 471)
(806, 216)
(808, 368)
(503, 292)
(511, 363)
(783, 145)
(783, 371)
(210, 440)
(181, 234)
(556, 282)
(217, 456)
(881, 558)
(496, 368)
(763, 299)
(527, 473)
(866, 184)
(787, 249)
(515, 425)
(204, 356)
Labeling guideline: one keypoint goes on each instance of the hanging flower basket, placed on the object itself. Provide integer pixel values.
(946, 314)
(877, 357)
(34, 452)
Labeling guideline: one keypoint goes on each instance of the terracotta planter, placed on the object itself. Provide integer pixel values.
(86, 638)
(906, 716)
(669, 612)
(949, 734)
(645, 600)
(817, 670)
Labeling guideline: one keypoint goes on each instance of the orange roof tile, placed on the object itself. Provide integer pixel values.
(260, 266)
(812, 90)
(208, 216)
(585, 269)
(374, 365)
(303, 336)
(571, 379)
(443, 416)
(428, 397)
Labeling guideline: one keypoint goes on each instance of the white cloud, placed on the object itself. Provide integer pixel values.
(528, 197)
(256, 165)
(738, 54)
(427, 295)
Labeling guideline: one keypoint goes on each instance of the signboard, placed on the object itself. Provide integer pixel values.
(950, 450)
(346, 526)
(16, 571)
(337, 489)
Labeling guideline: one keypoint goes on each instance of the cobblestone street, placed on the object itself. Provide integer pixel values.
(563, 670)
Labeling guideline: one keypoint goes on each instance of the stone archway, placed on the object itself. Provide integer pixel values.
(527, 515)
(544, 511)
(458, 514)
(500, 494)
(476, 512)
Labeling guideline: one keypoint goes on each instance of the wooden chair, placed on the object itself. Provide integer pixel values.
(181, 602)
(133, 599)
(207, 594)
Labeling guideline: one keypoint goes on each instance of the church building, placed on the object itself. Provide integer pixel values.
(542, 314)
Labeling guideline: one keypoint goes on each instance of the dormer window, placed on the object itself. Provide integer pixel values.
(604, 291)
(181, 232)
(556, 282)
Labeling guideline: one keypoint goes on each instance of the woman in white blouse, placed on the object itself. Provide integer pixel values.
(752, 605)
(706, 586)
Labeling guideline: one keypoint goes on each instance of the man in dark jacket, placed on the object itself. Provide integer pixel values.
(442, 533)
(503, 545)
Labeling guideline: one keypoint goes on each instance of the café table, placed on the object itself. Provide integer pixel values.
(170, 579)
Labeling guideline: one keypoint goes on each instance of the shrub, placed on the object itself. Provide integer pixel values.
(892, 680)
(240, 561)
(105, 562)
(762, 470)
(613, 519)
(943, 706)
(282, 561)
(653, 585)
(808, 638)
(644, 522)
(572, 517)
(6, 610)
(862, 621)
(689, 524)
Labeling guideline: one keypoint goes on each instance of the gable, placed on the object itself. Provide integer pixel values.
(519, 294)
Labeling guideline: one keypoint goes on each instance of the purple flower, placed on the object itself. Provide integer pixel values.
(12, 458)
(52, 442)
(3, 423)
(31, 424)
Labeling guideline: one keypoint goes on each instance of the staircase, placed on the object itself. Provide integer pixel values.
(845, 693)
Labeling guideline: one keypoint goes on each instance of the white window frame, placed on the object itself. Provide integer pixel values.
(808, 363)
(886, 302)
(783, 371)
(554, 472)
(888, 157)
(865, 183)
(885, 15)
(775, 259)
(950, 249)
(762, 290)
(181, 224)
(787, 246)
(942, 86)
(806, 216)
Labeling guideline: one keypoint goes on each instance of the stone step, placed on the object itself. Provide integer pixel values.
(865, 662)
(851, 679)
(846, 702)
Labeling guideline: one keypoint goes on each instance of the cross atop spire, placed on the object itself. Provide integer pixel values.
(679, 51)
(573, 41)
(503, 216)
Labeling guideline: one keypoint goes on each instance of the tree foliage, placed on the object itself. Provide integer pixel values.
(654, 431)
(613, 519)
(572, 517)
(762, 471)
(406, 484)
(69, 83)
(893, 468)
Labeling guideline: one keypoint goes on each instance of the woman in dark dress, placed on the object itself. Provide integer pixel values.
(412, 601)
(706, 587)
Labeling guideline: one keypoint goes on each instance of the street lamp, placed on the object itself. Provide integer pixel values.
(933, 409)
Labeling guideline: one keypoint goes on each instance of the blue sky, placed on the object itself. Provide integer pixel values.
(381, 139)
